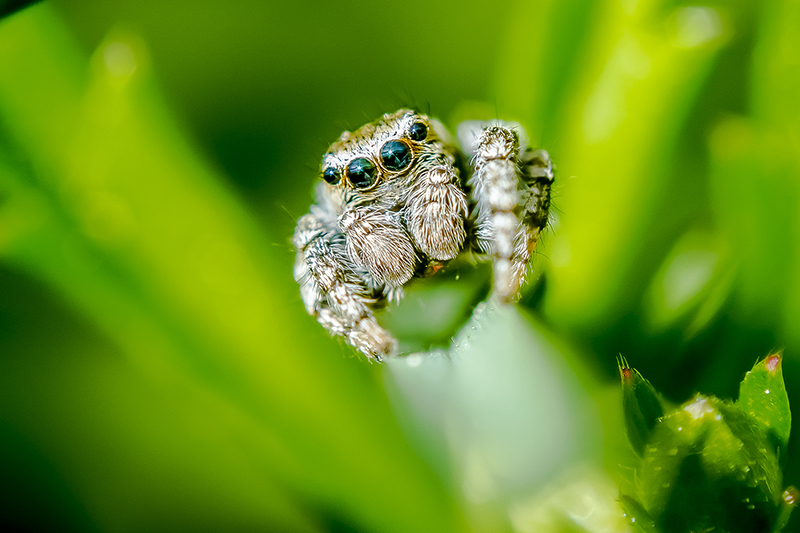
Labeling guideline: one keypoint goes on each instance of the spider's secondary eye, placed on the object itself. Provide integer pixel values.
(331, 175)
(362, 173)
(395, 155)
(418, 131)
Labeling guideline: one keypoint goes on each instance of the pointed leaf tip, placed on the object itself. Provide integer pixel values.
(641, 405)
(625, 371)
(791, 496)
(773, 362)
(762, 395)
(789, 501)
(627, 375)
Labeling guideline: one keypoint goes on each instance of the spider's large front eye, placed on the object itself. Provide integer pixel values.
(396, 155)
(362, 173)
(331, 175)
(418, 131)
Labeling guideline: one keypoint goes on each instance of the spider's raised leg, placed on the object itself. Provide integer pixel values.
(511, 190)
(536, 178)
(331, 287)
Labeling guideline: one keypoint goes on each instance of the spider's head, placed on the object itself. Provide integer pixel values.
(377, 152)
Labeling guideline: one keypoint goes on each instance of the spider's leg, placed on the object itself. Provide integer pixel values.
(512, 196)
(536, 178)
(333, 289)
(494, 187)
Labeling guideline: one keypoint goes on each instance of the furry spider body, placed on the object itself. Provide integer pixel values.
(397, 201)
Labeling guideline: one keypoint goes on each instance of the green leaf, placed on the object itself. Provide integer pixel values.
(762, 395)
(622, 165)
(705, 467)
(637, 515)
(641, 404)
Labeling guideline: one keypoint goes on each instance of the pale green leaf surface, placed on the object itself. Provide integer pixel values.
(499, 400)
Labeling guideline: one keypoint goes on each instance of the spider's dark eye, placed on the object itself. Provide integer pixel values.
(418, 131)
(361, 173)
(331, 175)
(395, 155)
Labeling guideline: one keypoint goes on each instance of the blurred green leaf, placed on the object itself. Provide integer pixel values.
(692, 284)
(502, 397)
(8, 7)
(539, 58)
(139, 233)
(776, 82)
(639, 519)
(620, 162)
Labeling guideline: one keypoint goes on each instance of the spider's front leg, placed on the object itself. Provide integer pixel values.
(333, 289)
(512, 193)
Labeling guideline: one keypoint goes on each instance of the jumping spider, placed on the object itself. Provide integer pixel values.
(396, 202)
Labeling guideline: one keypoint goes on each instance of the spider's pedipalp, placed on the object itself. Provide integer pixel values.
(331, 288)
(377, 241)
(437, 209)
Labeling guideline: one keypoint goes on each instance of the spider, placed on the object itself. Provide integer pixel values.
(397, 201)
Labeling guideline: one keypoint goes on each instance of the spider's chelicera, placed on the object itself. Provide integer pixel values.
(393, 205)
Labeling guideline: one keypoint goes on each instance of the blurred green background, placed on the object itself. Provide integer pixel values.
(157, 369)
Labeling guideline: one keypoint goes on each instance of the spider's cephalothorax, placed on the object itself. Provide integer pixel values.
(393, 205)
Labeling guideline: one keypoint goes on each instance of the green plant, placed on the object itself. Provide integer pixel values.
(710, 464)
